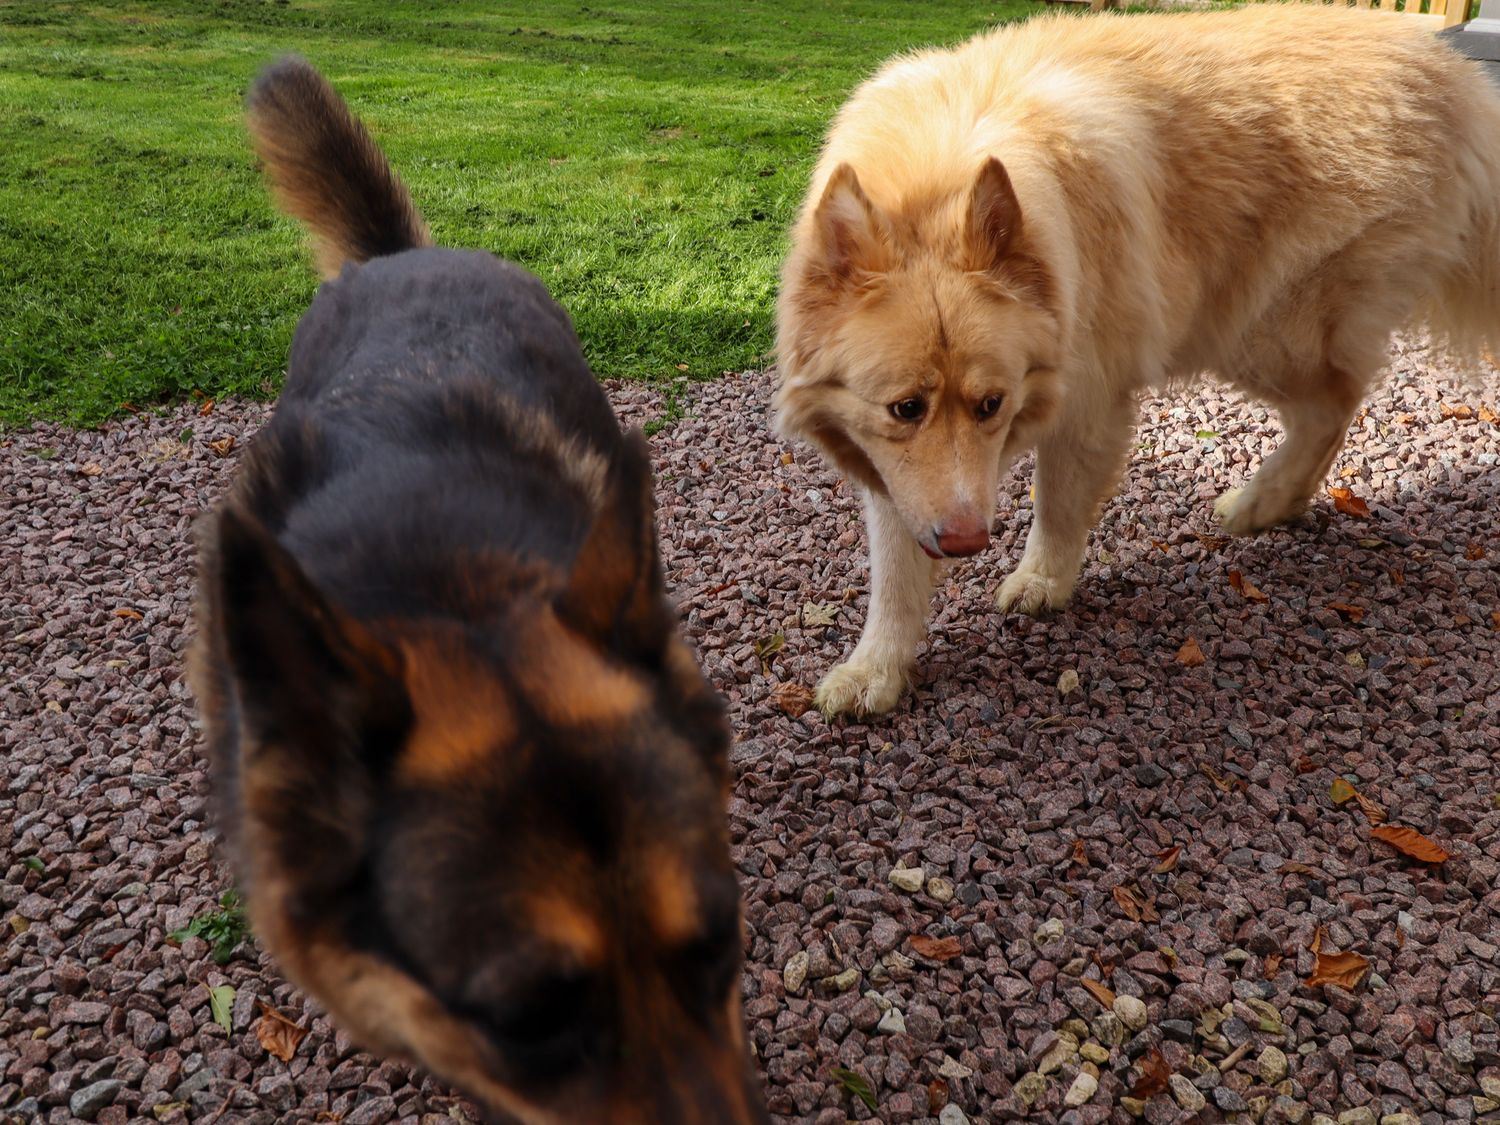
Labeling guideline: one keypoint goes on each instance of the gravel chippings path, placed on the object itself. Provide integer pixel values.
(927, 893)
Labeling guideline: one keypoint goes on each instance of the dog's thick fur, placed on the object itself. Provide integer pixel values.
(1005, 242)
(472, 782)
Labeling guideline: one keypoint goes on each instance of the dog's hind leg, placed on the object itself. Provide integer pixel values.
(901, 580)
(1316, 423)
(1078, 464)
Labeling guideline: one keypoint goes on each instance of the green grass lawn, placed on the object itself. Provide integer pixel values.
(644, 157)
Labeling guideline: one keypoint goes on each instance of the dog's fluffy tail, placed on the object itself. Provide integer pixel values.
(326, 170)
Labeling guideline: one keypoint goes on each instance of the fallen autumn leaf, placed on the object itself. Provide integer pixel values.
(1343, 969)
(793, 699)
(1372, 810)
(1155, 1074)
(935, 949)
(1410, 842)
(1100, 992)
(221, 1004)
(279, 1035)
(1351, 505)
(1190, 655)
(1355, 613)
(1135, 907)
(815, 614)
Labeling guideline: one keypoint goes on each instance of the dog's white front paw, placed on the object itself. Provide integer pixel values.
(1244, 511)
(859, 688)
(1030, 591)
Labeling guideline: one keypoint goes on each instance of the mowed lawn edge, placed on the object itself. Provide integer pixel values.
(643, 158)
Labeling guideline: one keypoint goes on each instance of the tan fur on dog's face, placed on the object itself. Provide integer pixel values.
(918, 348)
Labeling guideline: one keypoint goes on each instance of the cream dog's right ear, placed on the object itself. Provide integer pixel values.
(853, 237)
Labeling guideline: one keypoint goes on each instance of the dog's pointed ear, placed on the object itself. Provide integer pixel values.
(616, 593)
(298, 663)
(853, 236)
(994, 217)
(316, 698)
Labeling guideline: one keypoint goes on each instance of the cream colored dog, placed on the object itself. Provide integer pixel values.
(1006, 242)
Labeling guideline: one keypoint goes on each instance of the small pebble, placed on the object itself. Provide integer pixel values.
(908, 878)
(1083, 1088)
(1185, 1094)
(1272, 1065)
(1131, 1011)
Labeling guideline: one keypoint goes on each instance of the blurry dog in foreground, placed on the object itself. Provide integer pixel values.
(1005, 243)
(473, 784)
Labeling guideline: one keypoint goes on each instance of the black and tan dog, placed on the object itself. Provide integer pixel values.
(473, 783)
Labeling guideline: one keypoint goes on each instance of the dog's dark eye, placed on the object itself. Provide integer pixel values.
(909, 409)
(987, 408)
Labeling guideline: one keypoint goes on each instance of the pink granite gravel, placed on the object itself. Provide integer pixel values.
(987, 777)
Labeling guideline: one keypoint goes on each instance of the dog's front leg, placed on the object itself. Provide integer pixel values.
(901, 578)
(1078, 464)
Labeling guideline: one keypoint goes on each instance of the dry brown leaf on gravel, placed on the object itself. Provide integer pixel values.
(1305, 764)
(937, 1096)
(791, 698)
(1474, 552)
(1166, 860)
(1136, 907)
(1463, 411)
(1410, 842)
(1488, 415)
(1292, 867)
(1273, 965)
(1355, 613)
(1190, 655)
(128, 614)
(1245, 588)
(935, 949)
(815, 614)
(1155, 1074)
(1345, 501)
(1317, 939)
(277, 1034)
(1080, 852)
(222, 446)
(1221, 783)
(766, 648)
(1343, 969)
(1100, 992)
(1373, 812)
(206, 409)
(1495, 619)
(1341, 791)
